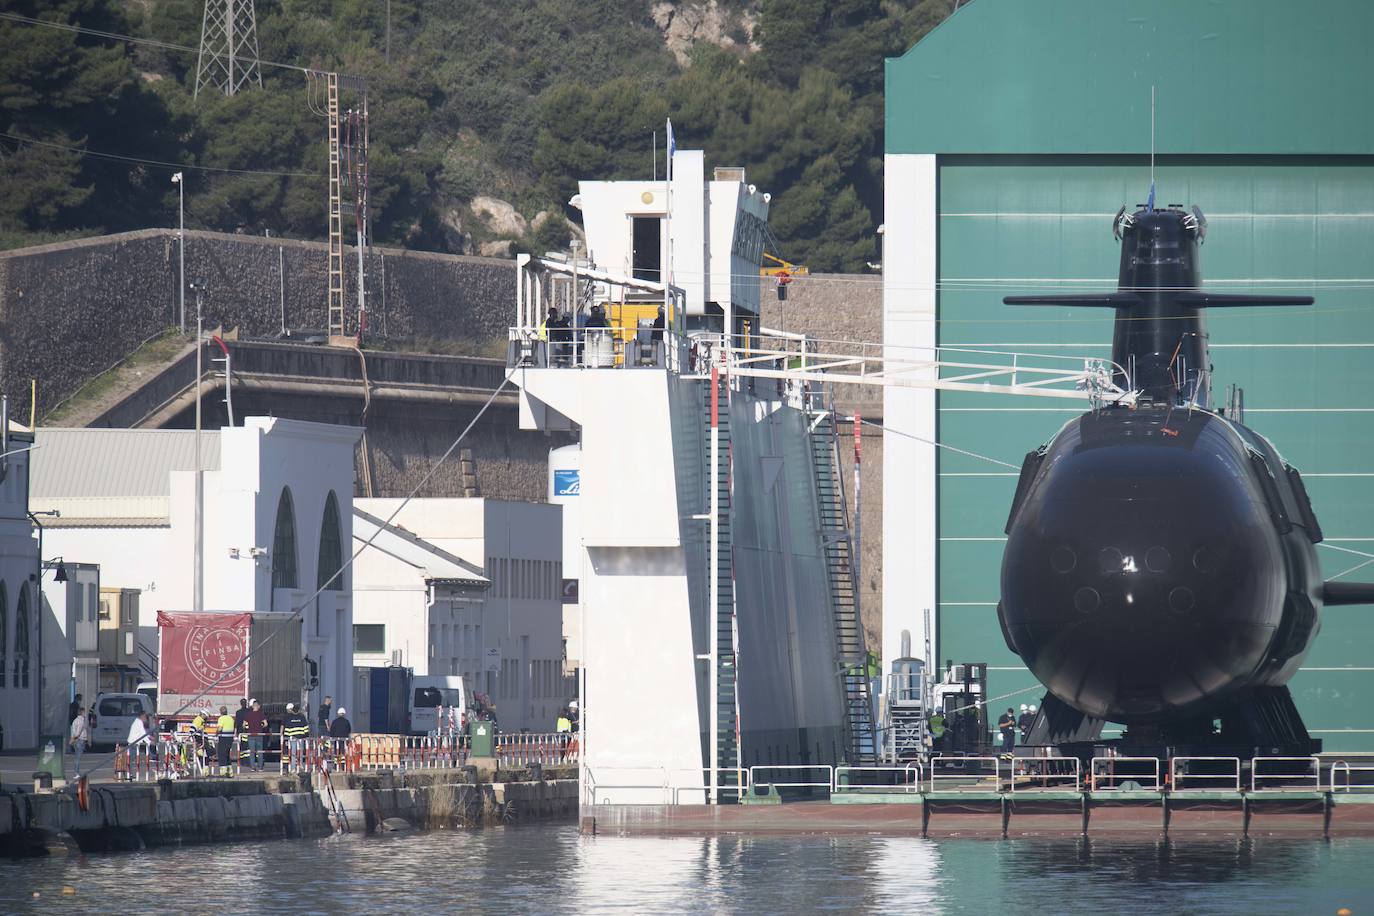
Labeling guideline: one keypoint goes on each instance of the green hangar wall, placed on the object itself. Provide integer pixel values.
(1014, 131)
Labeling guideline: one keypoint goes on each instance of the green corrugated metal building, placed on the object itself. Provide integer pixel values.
(1014, 132)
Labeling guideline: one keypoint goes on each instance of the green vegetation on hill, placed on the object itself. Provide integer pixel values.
(514, 100)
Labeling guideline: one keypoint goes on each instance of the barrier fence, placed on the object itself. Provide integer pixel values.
(523, 748)
(958, 771)
(1062, 773)
(1110, 774)
(1285, 774)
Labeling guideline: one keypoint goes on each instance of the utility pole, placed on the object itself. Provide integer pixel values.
(228, 47)
(180, 181)
(198, 566)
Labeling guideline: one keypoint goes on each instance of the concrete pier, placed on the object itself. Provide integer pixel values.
(121, 816)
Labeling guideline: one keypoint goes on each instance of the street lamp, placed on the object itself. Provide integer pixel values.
(198, 569)
(177, 180)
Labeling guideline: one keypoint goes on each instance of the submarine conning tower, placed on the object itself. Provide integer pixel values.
(1159, 342)
(1160, 338)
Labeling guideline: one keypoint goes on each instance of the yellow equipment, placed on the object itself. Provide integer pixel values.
(779, 266)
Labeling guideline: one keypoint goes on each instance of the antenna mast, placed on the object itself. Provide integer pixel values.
(1152, 138)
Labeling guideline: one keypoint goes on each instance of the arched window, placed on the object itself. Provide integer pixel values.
(4, 633)
(284, 543)
(331, 546)
(21, 640)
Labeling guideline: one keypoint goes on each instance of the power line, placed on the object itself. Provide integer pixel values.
(150, 42)
(157, 162)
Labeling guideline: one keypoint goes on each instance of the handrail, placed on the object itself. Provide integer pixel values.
(996, 769)
(829, 770)
(1312, 771)
(1347, 768)
(1048, 765)
(1176, 776)
(1094, 776)
(911, 779)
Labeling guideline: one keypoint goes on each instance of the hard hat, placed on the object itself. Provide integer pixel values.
(342, 710)
(1023, 707)
(290, 707)
(1032, 709)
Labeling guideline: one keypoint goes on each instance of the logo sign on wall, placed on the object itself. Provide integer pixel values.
(567, 483)
(491, 659)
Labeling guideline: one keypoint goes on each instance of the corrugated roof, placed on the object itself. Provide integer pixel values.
(123, 463)
(436, 562)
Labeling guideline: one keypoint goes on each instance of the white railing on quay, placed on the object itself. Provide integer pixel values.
(907, 779)
(803, 768)
(1046, 773)
(653, 785)
(1180, 769)
(1348, 769)
(1104, 777)
(1307, 777)
(959, 770)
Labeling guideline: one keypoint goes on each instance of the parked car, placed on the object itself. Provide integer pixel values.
(114, 714)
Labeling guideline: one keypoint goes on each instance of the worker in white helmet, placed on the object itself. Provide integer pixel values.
(1024, 721)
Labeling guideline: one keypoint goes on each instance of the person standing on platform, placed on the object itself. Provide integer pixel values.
(340, 728)
(225, 744)
(255, 724)
(1006, 724)
(295, 727)
(80, 735)
(325, 709)
(1023, 722)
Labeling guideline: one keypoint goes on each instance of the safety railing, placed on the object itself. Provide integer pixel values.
(651, 788)
(1224, 775)
(802, 769)
(904, 779)
(1346, 771)
(410, 752)
(524, 748)
(1109, 774)
(1285, 774)
(612, 347)
(1029, 773)
(952, 774)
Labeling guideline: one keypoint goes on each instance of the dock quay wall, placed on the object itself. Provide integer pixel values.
(194, 812)
(70, 309)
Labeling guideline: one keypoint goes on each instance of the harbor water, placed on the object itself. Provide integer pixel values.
(555, 870)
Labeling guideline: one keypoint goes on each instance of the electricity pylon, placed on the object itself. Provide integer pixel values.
(228, 47)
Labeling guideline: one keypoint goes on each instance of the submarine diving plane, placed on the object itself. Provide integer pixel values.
(1160, 568)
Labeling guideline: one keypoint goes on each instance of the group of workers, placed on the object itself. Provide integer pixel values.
(1009, 725)
(559, 330)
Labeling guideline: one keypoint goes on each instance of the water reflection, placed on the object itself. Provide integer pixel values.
(554, 870)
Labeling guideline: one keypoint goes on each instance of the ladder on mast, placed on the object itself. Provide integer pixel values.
(724, 741)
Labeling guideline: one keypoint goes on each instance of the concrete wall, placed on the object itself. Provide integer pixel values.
(71, 309)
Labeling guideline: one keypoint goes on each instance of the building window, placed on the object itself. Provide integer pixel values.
(284, 543)
(21, 640)
(331, 547)
(369, 637)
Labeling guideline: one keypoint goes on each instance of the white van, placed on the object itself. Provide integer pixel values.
(433, 696)
(114, 714)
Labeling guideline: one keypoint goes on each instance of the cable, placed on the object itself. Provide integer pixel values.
(1004, 464)
(156, 162)
(151, 42)
(299, 609)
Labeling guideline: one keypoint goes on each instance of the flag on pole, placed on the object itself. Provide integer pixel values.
(1150, 201)
(672, 148)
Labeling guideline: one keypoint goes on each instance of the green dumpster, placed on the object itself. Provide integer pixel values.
(483, 738)
(50, 749)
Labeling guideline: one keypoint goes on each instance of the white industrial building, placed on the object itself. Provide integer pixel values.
(468, 587)
(71, 632)
(277, 522)
(20, 648)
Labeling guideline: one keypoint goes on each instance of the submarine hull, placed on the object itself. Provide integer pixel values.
(1154, 571)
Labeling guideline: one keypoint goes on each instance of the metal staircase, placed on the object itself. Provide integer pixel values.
(725, 634)
(851, 657)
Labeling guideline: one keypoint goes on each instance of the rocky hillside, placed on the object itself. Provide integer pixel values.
(482, 115)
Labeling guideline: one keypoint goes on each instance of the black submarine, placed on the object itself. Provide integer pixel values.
(1160, 570)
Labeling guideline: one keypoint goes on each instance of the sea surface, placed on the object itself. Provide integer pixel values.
(551, 869)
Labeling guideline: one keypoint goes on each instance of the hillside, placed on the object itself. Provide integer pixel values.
(483, 116)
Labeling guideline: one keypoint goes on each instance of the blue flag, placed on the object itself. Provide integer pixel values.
(1149, 202)
(672, 148)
